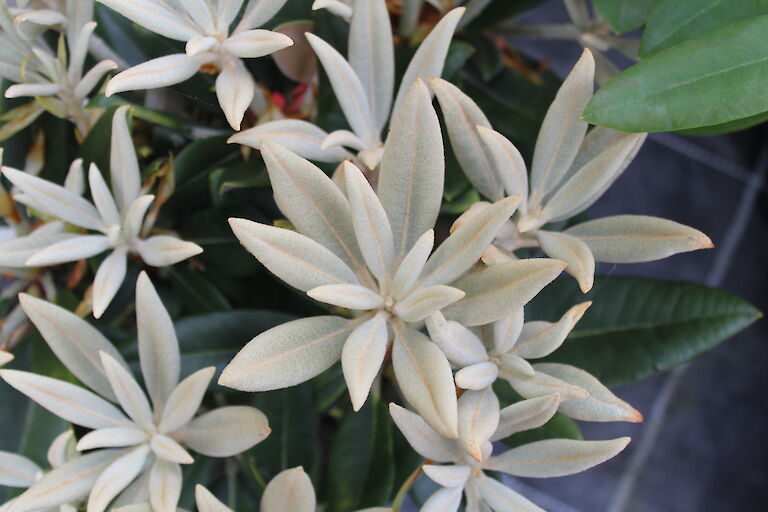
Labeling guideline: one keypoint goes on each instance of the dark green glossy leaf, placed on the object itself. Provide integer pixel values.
(673, 21)
(499, 11)
(637, 327)
(198, 294)
(731, 126)
(350, 459)
(625, 15)
(380, 486)
(712, 79)
(329, 387)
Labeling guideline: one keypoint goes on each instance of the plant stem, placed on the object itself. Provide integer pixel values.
(406, 487)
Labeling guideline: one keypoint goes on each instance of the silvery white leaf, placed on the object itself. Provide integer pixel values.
(512, 364)
(312, 202)
(409, 17)
(342, 138)
(160, 72)
(128, 392)
(539, 339)
(412, 264)
(348, 89)
(374, 234)
(288, 354)
(597, 139)
(92, 77)
(102, 197)
(371, 55)
(507, 163)
(207, 502)
(164, 486)
(234, 89)
(447, 476)
(540, 384)
(135, 497)
(17, 251)
(573, 252)
(351, 296)
(200, 44)
(296, 259)
(290, 490)
(123, 164)
(500, 497)
(185, 400)
(61, 449)
(165, 250)
(116, 477)
(446, 499)
(464, 247)
(526, 415)
(429, 59)
(461, 346)
(111, 437)
(337, 7)
(66, 484)
(57, 200)
(65, 400)
(463, 118)
(74, 341)
(478, 420)
(412, 170)
(200, 13)
(75, 179)
(226, 431)
(562, 130)
(555, 457)
(423, 302)
(296, 135)
(422, 438)
(5, 358)
(134, 217)
(158, 346)
(258, 12)
(169, 450)
(589, 183)
(600, 405)
(70, 249)
(362, 357)
(20, 90)
(109, 277)
(426, 381)
(637, 238)
(477, 376)
(155, 17)
(17, 471)
(31, 24)
(506, 332)
(495, 292)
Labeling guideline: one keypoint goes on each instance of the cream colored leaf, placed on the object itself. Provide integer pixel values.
(422, 438)
(17, 471)
(539, 339)
(158, 346)
(447, 499)
(109, 277)
(155, 17)
(447, 476)
(102, 197)
(506, 332)
(500, 497)
(5, 358)
(374, 234)
(296, 135)
(343, 138)
(600, 405)
(288, 354)
(61, 449)
(256, 43)
(497, 291)
(17, 251)
(116, 477)
(508, 164)
(412, 264)
(70, 249)
(200, 44)
(478, 420)
(200, 13)
(65, 400)
(429, 59)
(74, 341)
(562, 130)
(207, 502)
(92, 77)
(463, 118)
(164, 486)
(123, 164)
(555, 457)
(234, 89)
(512, 363)
(225, 432)
(464, 247)
(134, 217)
(526, 415)
(33, 90)
(477, 376)
(540, 384)
(349, 91)
(169, 450)
(128, 392)
(165, 250)
(258, 12)
(637, 238)
(290, 490)
(425, 301)
(111, 437)
(461, 346)
(573, 252)
(352, 296)
(337, 7)
(57, 200)
(156, 73)
(66, 484)
(362, 357)
(312, 202)
(412, 170)
(185, 400)
(426, 381)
